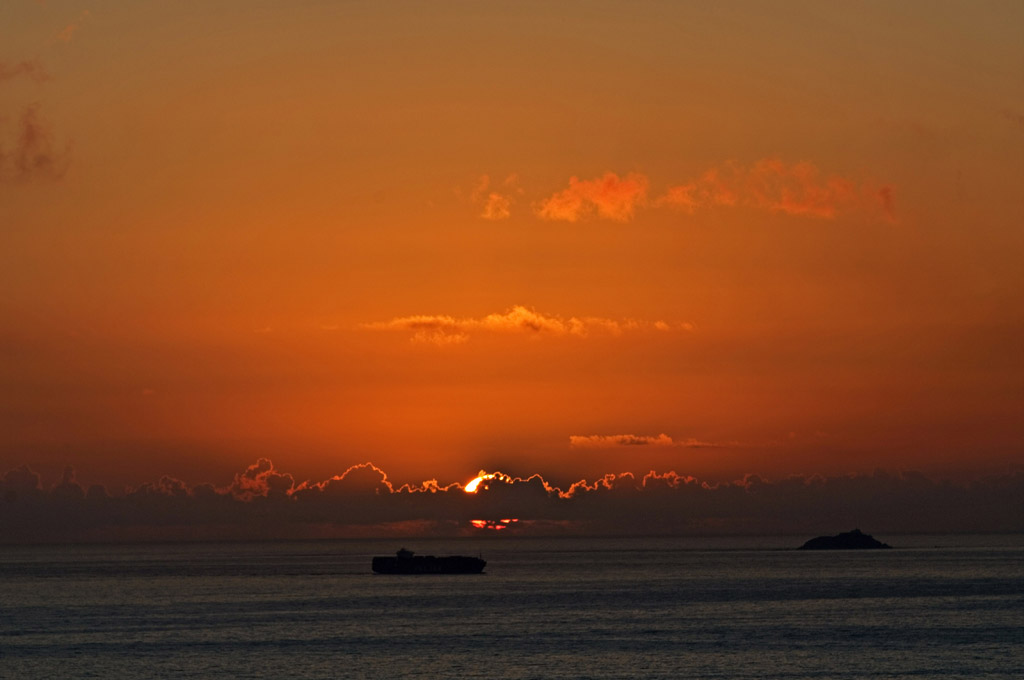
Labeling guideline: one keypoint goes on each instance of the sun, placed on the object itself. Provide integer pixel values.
(472, 486)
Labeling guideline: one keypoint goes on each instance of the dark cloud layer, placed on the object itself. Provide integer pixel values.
(263, 502)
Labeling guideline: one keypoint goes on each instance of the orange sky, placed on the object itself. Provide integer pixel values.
(560, 238)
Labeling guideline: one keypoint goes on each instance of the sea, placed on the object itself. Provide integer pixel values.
(932, 607)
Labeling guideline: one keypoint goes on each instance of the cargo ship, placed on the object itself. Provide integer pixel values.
(405, 562)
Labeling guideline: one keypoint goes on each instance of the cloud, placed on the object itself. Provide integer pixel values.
(609, 197)
(497, 207)
(496, 201)
(20, 483)
(521, 319)
(365, 478)
(438, 330)
(447, 330)
(68, 488)
(263, 502)
(798, 189)
(31, 69)
(1015, 117)
(35, 154)
(601, 441)
(166, 487)
(30, 152)
(261, 479)
(885, 197)
(67, 34)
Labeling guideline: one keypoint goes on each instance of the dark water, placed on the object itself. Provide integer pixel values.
(947, 607)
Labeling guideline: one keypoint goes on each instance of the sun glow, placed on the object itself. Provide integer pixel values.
(493, 524)
(474, 485)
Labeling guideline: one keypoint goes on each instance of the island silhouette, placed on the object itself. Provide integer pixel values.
(850, 540)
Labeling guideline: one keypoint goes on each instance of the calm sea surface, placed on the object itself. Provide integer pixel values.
(942, 607)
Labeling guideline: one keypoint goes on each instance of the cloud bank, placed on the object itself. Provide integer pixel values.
(264, 502)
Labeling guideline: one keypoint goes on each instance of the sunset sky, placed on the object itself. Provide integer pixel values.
(556, 238)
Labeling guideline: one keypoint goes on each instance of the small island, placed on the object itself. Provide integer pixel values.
(851, 540)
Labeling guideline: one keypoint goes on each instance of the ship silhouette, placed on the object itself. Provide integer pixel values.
(405, 562)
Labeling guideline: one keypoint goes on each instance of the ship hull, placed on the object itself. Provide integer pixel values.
(454, 564)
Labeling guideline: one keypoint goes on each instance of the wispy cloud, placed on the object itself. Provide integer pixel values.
(34, 153)
(885, 197)
(610, 441)
(28, 151)
(67, 34)
(496, 199)
(448, 330)
(30, 69)
(609, 197)
(497, 207)
(605, 441)
(798, 189)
